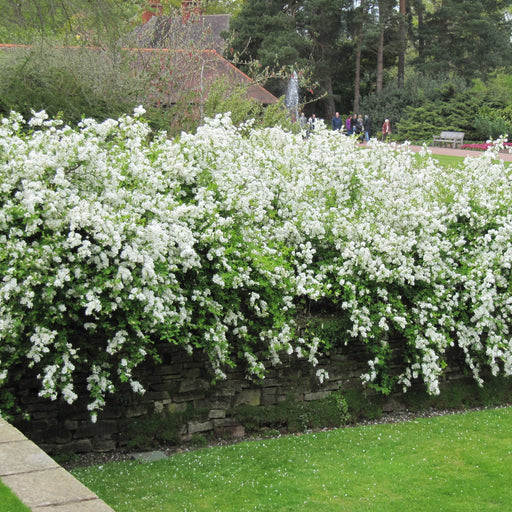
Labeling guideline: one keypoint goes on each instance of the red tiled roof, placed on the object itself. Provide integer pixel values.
(196, 71)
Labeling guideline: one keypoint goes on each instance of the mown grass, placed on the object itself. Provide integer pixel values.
(448, 161)
(9, 502)
(447, 463)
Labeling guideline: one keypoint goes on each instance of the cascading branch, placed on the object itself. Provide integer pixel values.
(114, 239)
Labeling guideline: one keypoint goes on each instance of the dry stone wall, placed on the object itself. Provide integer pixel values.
(183, 382)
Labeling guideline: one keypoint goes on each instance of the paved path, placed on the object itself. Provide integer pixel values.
(38, 480)
(507, 157)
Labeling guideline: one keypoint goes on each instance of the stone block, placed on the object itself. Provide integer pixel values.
(165, 369)
(236, 431)
(248, 397)
(193, 373)
(216, 414)
(269, 399)
(104, 445)
(135, 411)
(159, 395)
(214, 403)
(318, 395)
(225, 422)
(153, 456)
(190, 396)
(79, 446)
(174, 407)
(332, 385)
(393, 405)
(195, 427)
(107, 427)
(59, 435)
(110, 413)
(71, 424)
(194, 384)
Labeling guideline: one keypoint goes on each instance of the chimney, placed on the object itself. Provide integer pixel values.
(154, 9)
(189, 8)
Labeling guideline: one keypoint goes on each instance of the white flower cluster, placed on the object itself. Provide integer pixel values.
(113, 238)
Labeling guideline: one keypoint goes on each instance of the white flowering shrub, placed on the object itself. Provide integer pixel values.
(113, 239)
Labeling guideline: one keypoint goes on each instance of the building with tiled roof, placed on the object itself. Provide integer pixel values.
(199, 37)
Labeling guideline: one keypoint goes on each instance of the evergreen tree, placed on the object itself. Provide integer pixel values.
(466, 37)
(304, 34)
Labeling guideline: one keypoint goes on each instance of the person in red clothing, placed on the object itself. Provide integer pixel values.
(386, 130)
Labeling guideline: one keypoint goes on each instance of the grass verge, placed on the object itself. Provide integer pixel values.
(450, 463)
(9, 502)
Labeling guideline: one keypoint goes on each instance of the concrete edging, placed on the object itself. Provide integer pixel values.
(39, 482)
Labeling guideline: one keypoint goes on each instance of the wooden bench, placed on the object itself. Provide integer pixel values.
(453, 138)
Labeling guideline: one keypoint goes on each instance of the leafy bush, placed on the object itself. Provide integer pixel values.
(113, 238)
(494, 123)
(417, 92)
(67, 82)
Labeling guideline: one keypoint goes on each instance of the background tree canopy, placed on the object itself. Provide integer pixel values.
(376, 55)
(386, 58)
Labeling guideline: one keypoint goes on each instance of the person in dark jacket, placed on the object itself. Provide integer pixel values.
(336, 122)
(353, 124)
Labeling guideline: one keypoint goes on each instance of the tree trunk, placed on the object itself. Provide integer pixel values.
(421, 40)
(330, 107)
(357, 78)
(380, 49)
(401, 55)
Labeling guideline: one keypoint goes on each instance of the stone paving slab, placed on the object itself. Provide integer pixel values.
(149, 456)
(39, 482)
(48, 487)
(9, 434)
(23, 456)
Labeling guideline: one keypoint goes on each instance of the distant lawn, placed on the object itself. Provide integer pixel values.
(456, 463)
(448, 161)
(453, 161)
(9, 502)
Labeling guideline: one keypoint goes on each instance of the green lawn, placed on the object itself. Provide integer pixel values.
(454, 463)
(9, 502)
(454, 161)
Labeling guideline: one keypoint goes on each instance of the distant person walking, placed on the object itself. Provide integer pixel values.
(336, 122)
(348, 125)
(303, 120)
(367, 128)
(359, 130)
(386, 130)
(353, 124)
